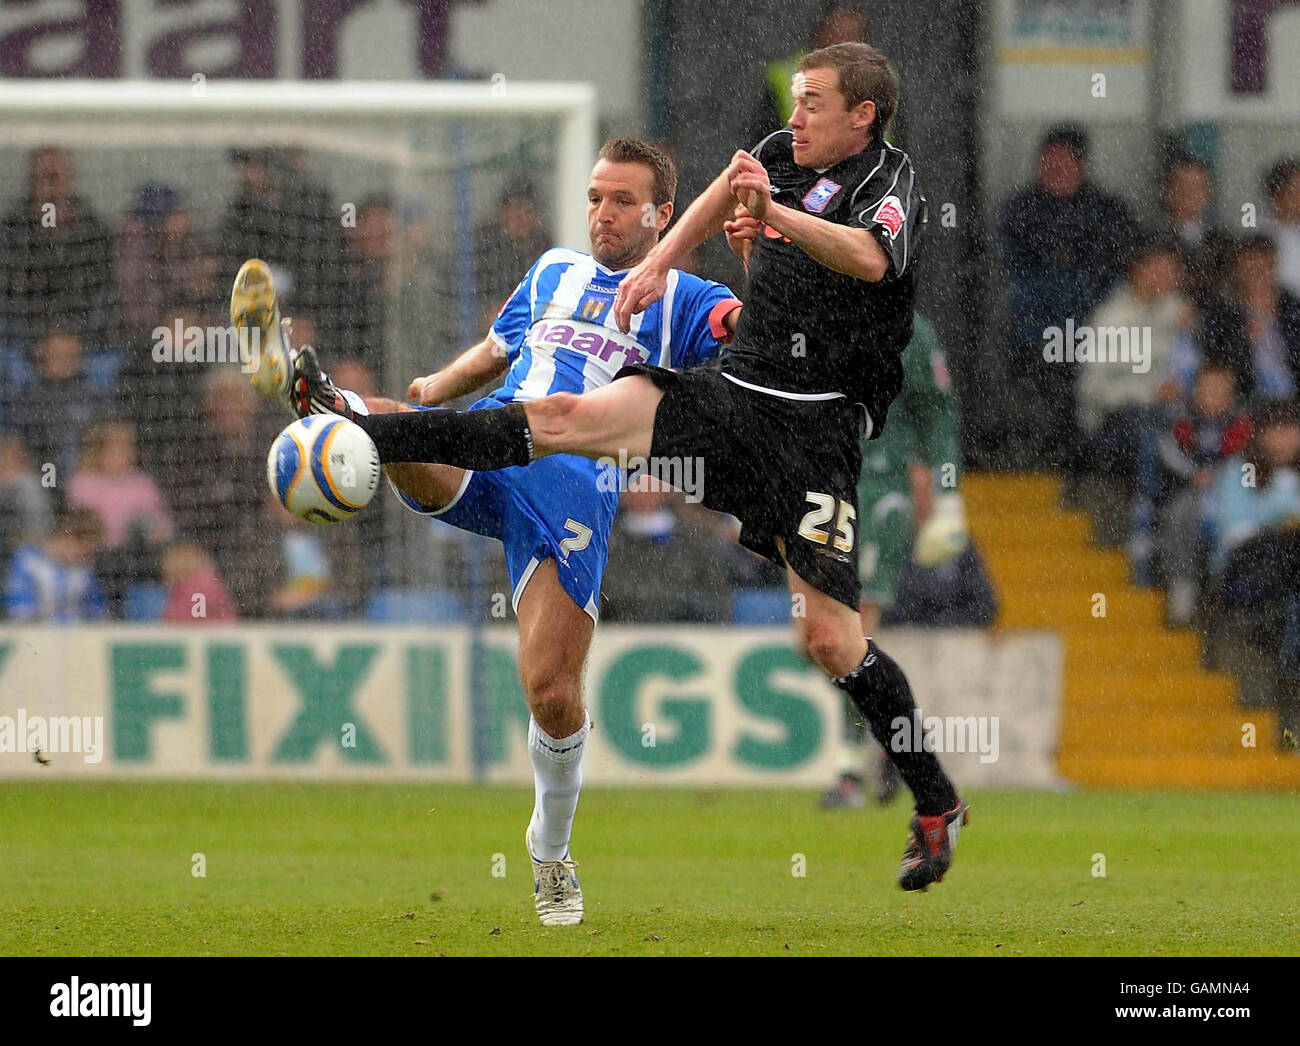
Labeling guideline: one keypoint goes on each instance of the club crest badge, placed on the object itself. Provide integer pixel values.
(593, 306)
(820, 195)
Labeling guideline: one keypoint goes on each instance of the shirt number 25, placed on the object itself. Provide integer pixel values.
(812, 524)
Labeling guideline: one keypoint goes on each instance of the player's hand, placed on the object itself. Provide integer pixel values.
(417, 391)
(748, 181)
(640, 289)
(742, 231)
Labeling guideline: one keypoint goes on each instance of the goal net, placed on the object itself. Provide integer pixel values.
(396, 218)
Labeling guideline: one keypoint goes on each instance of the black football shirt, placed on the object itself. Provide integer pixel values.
(808, 330)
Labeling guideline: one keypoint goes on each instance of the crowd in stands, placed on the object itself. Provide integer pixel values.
(1195, 425)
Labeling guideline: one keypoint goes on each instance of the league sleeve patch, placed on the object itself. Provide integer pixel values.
(889, 215)
(820, 195)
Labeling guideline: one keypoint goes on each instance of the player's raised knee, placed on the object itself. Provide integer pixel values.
(829, 647)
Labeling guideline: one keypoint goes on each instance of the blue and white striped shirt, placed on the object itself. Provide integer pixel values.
(559, 334)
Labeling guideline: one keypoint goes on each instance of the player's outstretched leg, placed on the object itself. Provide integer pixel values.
(554, 634)
(831, 636)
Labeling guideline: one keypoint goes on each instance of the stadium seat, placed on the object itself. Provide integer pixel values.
(144, 603)
(760, 606)
(434, 606)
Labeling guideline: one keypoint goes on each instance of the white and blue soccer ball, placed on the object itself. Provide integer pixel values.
(323, 468)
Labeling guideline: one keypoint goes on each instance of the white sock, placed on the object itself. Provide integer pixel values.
(354, 401)
(557, 779)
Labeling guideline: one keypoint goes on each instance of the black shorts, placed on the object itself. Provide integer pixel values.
(785, 468)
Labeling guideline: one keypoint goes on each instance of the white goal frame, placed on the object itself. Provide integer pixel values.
(314, 103)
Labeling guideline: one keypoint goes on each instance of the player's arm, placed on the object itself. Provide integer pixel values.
(854, 252)
(646, 283)
(472, 369)
(732, 319)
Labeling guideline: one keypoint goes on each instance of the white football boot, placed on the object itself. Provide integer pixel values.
(556, 892)
(255, 315)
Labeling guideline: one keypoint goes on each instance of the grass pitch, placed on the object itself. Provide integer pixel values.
(336, 869)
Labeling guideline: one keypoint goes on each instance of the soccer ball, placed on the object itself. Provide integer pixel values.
(323, 468)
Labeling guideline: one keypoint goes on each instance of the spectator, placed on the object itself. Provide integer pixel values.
(56, 258)
(1282, 185)
(1255, 325)
(110, 484)
(1118, 399)
(157, 252)
(370, 248)
(51, 580)
(158, 396)
(312, 571)
(663, 565)
(507, 245)
(1186, 198)
(279, 215)
(840, 22)
(58, 405)
(953, 594)
(133, 519)
(189, 572)
(217, 487)
(25, 510)
(1183, 461)
(1259, 491)
(1063, 243)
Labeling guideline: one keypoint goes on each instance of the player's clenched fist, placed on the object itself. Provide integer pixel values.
(742, 230)
(640, 289)
(415, 391)
(747, 179)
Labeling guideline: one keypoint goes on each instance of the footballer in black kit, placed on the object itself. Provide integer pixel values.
(815, 363)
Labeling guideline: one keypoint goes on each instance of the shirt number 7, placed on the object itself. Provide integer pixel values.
(580, 540)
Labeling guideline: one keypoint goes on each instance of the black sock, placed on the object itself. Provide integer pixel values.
(491, 438)
(880, 691)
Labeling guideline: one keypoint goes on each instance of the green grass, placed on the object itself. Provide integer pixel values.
(328, 869)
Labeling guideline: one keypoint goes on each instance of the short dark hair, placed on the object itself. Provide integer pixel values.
(1279, 174)
(1219, 365)
(1072, 136)
(1182, 159)
(638, 150)
(864, 76)
(1147, 242)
